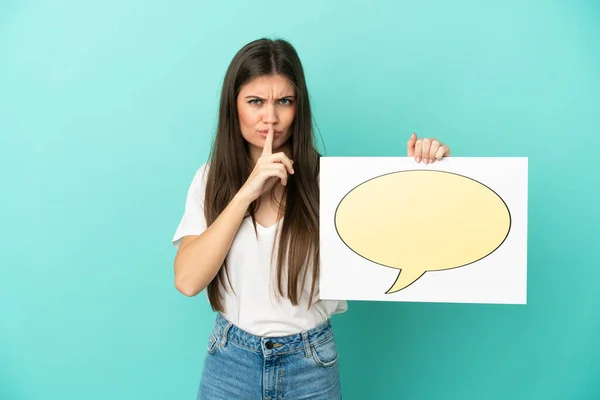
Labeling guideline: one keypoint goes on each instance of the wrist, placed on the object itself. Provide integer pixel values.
(240, 200)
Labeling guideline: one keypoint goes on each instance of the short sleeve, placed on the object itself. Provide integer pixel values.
(193, 221)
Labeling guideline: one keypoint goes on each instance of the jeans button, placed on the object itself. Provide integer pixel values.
(269, 345)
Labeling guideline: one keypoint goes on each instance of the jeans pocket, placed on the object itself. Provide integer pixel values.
(325, 353)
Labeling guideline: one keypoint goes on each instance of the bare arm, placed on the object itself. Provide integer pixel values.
(199, 258)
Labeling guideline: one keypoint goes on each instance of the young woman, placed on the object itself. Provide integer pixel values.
(250, 236)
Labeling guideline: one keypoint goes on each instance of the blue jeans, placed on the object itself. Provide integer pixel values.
(240, 366)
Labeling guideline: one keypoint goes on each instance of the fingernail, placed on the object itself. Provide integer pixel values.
(418, 159)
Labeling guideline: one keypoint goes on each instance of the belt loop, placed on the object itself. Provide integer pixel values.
(224, 334)
(306, 344)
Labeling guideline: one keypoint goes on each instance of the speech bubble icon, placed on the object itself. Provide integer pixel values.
(422, 220)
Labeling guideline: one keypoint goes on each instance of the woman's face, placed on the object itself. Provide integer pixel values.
(262, 102)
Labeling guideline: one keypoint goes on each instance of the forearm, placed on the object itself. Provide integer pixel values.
(199, 261)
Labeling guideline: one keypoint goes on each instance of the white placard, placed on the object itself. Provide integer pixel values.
(392, 229)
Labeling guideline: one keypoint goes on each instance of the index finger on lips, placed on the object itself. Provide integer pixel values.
(268, 147)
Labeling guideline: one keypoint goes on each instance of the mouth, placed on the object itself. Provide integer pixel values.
(264, 132)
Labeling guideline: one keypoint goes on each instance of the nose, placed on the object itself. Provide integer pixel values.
(270, 114)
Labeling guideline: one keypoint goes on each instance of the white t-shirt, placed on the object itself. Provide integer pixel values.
(255, 306)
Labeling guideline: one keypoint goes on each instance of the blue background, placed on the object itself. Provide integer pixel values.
(107, 109)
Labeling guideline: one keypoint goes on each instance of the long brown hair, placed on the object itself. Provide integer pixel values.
(230, 166)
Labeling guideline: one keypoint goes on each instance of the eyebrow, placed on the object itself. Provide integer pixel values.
(260, 98)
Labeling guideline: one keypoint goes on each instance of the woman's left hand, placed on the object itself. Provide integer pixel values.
(427, 149)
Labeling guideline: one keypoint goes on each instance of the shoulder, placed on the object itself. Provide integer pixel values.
(198, 183)
(201, 174)
(203, 169)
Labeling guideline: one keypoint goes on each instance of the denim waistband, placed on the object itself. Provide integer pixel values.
(224, 330)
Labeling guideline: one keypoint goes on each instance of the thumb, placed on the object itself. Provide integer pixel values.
(410, 145)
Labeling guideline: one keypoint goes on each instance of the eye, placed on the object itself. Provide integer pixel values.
(286, 102)
(255, 102)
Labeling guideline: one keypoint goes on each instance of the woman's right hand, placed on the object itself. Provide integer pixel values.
(268, 170)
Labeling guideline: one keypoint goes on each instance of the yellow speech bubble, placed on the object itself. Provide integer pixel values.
(421, 220)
